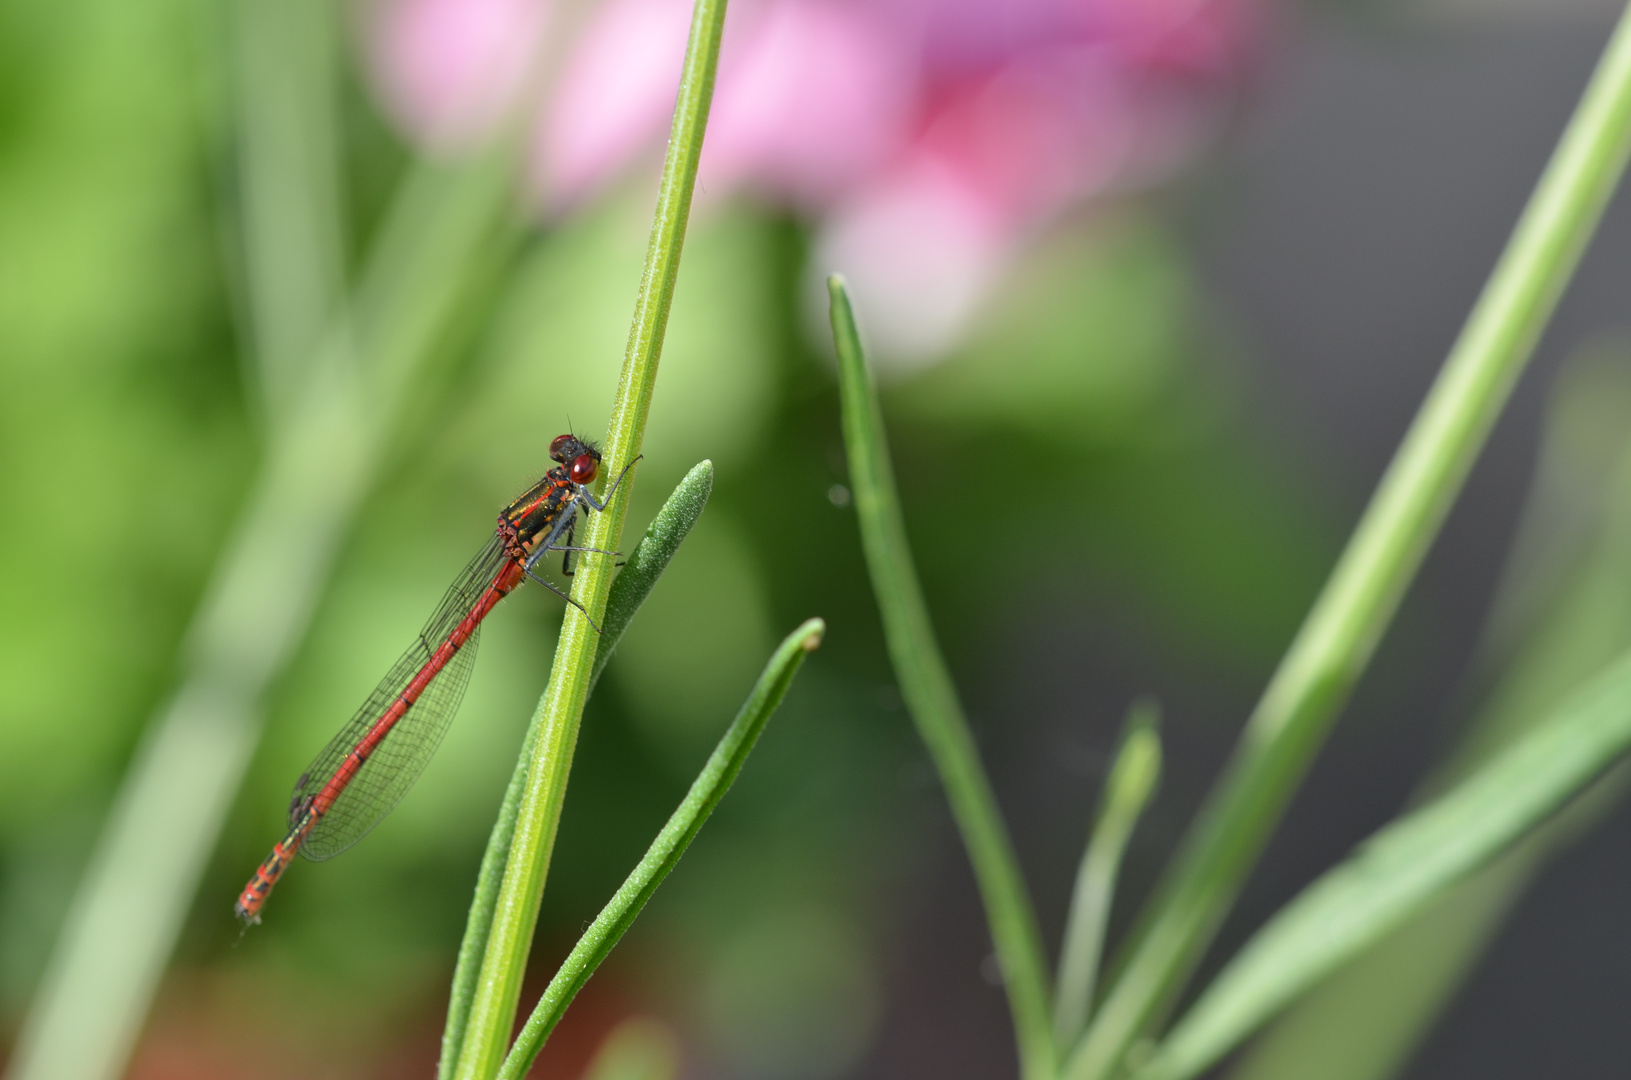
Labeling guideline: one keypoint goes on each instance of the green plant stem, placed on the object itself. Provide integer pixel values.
(1338, 637)
(1563, 611)
(645, 565)
(1402, 867)
(665, 851)
(1127, 791)
(561, 707)
(478, 924)
(931, 697)
(291, 219)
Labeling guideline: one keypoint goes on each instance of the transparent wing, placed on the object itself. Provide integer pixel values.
(437, 665)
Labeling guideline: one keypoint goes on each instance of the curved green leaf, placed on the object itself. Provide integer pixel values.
(1339, 636)
(665, 851)
(1401, 868)
(1127, 791)
(931, 698)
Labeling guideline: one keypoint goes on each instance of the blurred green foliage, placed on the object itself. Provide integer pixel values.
(124, 441)
(1098, 391)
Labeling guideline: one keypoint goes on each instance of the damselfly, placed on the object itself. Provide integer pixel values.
(366, 769)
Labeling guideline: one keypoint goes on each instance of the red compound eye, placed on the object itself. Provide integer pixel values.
(558, 447)
(583, 469)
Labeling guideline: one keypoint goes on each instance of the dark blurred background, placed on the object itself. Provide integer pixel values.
(1134, 412)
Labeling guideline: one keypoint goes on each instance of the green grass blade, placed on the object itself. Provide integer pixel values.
(1562, 613)
(289, 193)
(561, 708)
(1127, 791)
(1337, 639)
(665, 851)
(450, 230)
(645, 565)
(1402, 867)
(931, 698)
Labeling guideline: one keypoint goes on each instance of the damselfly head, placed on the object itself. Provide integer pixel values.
(581, 458)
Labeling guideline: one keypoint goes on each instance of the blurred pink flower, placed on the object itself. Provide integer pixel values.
(810, 98)
(931, 138)
(920, 249)
(813, 101)
(450, 69)
(615, 96)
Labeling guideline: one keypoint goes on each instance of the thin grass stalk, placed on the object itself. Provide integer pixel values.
(561, 708)
(1339, 636)
(645, 565)
(1127, 790)
(1402, 867)
(1563, 611)
(931, 698)
(290, 206)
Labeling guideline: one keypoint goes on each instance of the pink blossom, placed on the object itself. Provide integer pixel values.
(813, 100)
(810, 97)
(450, 69)
(928, 138)
(614, 98)
(920, 249)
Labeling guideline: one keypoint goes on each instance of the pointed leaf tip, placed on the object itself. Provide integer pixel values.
(814, 631)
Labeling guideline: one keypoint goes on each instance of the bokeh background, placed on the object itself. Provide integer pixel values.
(1154, 288)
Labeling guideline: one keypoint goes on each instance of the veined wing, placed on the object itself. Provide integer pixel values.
(376, 757)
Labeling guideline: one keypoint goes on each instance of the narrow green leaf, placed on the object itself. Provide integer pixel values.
(650, 558)
(1402, 867)
(646, 564)
(291, 215)
(665, 851)
(1127, 791)
(931, 698)
(560, 710)
(1338, 637)
(1563, 611)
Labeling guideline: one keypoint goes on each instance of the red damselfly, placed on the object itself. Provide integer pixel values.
(367, 768)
